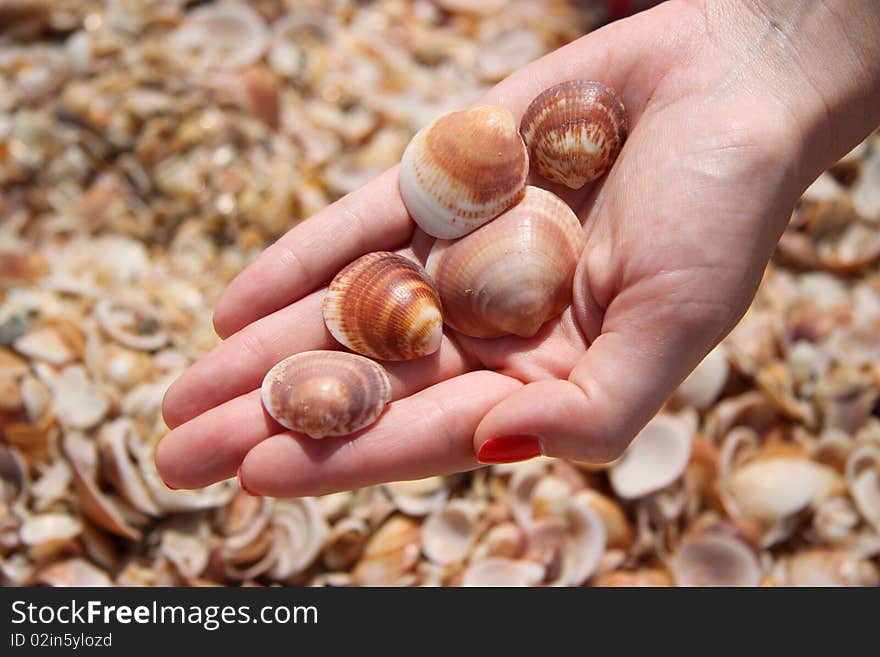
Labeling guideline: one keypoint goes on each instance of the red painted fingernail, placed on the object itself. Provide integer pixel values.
(168, 486)
(509, 449)
(245, 488)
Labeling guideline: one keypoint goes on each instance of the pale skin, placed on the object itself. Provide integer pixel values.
(735, 107)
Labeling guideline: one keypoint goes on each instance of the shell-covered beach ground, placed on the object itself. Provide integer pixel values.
(149, 149)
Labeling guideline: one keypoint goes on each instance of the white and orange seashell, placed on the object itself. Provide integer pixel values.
(326, 393)
(384, 306)
(463, 169)
(513, 274)
(574, 131)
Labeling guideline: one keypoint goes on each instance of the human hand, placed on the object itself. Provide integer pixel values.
(678, 234)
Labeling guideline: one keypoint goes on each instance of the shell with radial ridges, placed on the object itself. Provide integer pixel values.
(326, 393)
(462, 170)
(384, 306)
(574, 132)
(513, 274)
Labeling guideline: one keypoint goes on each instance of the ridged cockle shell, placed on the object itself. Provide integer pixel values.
(513, 274)
(462, 170)
(574, 131)
(384, 306)
(326, 393)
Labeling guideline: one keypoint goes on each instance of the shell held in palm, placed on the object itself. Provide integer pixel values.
(513, 274)
(326, 393)
(384, 306)
(574, 131)
(462, 170)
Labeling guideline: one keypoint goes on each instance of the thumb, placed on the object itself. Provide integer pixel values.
(616, 387)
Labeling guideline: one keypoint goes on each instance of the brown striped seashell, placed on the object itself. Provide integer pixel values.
(326, 393)
(462, 170)
(574, 131)
(513, 274)
(384, 306)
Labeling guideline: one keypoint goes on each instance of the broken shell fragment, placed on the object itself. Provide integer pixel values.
(715, 559)
(390, 554)
(574, 131)
(384, 306)
(514, 273)
(501, 571)
(222, 36)
(326, 393)
(462, 170)
(656, 458)
(449, 533)
(827, 567)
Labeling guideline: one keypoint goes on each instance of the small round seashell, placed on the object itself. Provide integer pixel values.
(326, 393)
(462, 170)
(513, 274)
(574, 131)
(384, 306)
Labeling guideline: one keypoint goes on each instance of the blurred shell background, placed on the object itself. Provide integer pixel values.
(149, 149)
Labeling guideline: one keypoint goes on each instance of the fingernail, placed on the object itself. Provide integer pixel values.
(245, 488)
(168, 486)
(509, 449)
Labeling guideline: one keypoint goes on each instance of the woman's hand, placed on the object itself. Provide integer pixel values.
(728, 127)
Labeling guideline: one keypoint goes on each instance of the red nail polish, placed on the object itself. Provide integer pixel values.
(509, 449)
(168, 486)
(245, 488)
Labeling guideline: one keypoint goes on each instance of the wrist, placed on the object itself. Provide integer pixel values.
(819, 60)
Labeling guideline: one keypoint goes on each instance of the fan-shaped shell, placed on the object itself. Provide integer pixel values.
(326, 393)
(514, 273)
(384, 306)
(574, 131)
(462, 170)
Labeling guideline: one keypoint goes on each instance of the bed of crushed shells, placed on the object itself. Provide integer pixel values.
(149, 149)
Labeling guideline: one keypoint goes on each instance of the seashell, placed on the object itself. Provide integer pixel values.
(715, 560)
(79, 401)
(73, 572)
(326, 393)
(828, 567)
(345, 543)
(751, 409)
(863, 480)
(449, 533)
(114, 439)
(52, 486)
(222, 36)
(48, 527)
(583, 544)
(299, 531)
(98, 506)
(513, 274)
(187, 550)
(506, 539)
(770, 489)
(655, 459)
(419, 497)
(574, 131)
(618, 531)
(384, 306)
(132, 323)
(46, 344)
(501, 571)
(705, 383)
(390, 554)
(550, 497)
(463, 169)
(647, 577)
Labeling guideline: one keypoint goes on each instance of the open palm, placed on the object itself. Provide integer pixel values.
(678, 234)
